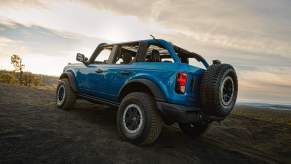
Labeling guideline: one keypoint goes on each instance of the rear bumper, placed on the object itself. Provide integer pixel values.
(178, 113)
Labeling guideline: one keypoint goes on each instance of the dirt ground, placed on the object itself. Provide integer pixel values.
(33, 130)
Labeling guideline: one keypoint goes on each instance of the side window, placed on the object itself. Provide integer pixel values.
(193, 61)
(168, 60)
(126, 54)
(157, 53)
(103, 56)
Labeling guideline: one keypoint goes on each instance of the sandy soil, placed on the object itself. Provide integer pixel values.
(33, 130)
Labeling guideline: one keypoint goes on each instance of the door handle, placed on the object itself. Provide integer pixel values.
(124, 72)
(99, 71)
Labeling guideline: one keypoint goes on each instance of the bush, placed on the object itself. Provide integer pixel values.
(7, 77)
(28, 78)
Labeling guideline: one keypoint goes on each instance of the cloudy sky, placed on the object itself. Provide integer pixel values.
(254, 36)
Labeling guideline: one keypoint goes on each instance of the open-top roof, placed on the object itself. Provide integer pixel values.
(178, 50)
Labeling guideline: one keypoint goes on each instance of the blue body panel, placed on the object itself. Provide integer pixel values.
(108, 84)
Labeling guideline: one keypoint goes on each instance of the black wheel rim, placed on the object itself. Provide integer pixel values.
(227, 90)
(61, 94)
(132, 118)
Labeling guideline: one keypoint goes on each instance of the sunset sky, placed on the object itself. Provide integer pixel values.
(253, 36)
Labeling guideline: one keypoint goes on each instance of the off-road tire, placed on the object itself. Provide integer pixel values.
(69, 98)
(151, 124)
(210, 90)
(194, 131)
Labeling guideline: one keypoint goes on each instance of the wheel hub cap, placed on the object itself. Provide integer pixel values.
(132, 118)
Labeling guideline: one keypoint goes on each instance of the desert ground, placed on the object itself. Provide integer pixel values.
(33, 130)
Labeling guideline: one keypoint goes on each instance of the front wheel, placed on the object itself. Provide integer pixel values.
(194, 130)
(65, 96)
(138, 121)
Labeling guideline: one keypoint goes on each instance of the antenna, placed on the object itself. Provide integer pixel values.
(152, 36)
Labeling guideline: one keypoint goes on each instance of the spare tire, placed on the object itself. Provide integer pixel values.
(218, 90)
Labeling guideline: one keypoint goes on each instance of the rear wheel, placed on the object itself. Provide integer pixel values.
(138, 121)
(194, 130)
(65, 96)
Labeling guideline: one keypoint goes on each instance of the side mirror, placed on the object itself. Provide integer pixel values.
(81, 58)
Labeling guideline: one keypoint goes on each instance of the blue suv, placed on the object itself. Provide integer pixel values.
(152, 83)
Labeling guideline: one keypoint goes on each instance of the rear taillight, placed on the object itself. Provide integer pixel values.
(181, 82)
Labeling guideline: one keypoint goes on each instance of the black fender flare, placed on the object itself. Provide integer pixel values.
(70, 76)
(154, 88)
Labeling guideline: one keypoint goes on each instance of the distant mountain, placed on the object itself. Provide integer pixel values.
(265, 105)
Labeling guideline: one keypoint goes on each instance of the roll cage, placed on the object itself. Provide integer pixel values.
(139, 50)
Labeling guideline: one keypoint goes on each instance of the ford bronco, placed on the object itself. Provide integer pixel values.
(151, 83)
